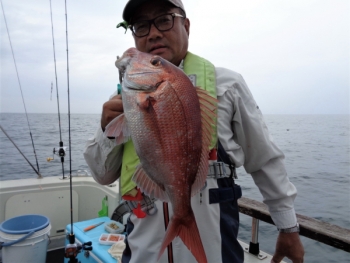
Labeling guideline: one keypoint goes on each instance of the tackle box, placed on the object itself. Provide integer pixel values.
(99, 252)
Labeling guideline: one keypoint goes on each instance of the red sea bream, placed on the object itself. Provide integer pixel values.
(171, 124)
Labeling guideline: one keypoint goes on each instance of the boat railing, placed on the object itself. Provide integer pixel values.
(320, 231)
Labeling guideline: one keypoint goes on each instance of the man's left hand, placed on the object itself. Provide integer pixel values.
(289, 245)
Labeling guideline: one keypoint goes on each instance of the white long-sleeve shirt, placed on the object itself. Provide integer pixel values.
(243, 134)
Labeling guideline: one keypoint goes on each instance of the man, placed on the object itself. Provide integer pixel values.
(160, 27)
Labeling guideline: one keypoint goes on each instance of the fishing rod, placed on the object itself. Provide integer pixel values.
(37, 172)
(72, 249)
(20, 87)
(61, 150)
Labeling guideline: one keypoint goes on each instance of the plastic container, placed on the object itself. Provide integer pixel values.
(110, 239)
(25, 239)
(114, 227)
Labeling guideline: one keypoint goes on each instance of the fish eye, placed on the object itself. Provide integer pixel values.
(156, 61)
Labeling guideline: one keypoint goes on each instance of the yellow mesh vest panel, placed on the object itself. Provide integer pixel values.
(129, 163)
(205, 78)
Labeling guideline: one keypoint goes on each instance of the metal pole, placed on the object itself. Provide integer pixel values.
(254, 244)
(255, 230)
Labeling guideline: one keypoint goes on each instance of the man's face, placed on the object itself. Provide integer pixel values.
(171, 45)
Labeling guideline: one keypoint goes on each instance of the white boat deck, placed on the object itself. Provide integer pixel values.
(50, 196)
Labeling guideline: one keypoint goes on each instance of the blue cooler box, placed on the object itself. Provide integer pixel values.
(99, 253)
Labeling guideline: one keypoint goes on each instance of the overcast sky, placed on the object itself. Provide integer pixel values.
(294, 55)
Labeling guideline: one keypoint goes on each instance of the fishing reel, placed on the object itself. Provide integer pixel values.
(60, 152)
(72, 249)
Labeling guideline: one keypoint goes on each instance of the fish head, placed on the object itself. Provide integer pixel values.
(144, 72)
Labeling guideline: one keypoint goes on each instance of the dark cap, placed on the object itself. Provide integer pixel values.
(132, 5)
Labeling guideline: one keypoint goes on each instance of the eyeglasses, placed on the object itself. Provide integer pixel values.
(162, 23)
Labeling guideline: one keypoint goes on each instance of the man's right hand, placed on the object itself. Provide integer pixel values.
(111, 109)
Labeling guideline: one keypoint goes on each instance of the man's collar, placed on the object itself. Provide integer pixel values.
(181, 66)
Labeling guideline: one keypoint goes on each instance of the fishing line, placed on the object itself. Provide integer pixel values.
(61, 151)
(20, 87)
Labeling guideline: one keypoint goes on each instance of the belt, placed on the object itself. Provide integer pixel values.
(219, 170)
(216, 170)
(127, 206)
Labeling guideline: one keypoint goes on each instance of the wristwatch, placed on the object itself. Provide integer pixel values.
(290, 230)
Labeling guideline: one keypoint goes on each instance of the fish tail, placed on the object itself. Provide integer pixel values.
(189, 234)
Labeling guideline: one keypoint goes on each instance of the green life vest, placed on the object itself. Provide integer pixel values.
(202, 74)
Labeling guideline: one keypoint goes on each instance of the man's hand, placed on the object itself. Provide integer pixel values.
(289, 245)
(110, 110)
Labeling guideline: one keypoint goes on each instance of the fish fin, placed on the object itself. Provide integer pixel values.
(189, 234)
(208, 106)
(202, 173)
(148, 186)
(207, 99)
(201, 177)
(118, 128)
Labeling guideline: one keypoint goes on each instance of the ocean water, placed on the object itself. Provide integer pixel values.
(317, 150)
